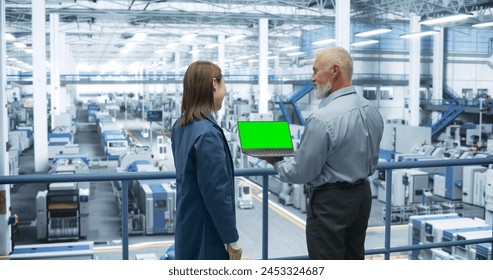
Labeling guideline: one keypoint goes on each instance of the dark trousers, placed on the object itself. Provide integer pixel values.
(337, 219)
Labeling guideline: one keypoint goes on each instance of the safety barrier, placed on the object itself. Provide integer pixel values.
(264, 172)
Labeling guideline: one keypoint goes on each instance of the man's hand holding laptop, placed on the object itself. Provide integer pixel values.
(271, 160)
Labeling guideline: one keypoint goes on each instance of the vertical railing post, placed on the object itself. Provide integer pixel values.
(388, 211)
(491, 254)
(265, 216)
(124, 220)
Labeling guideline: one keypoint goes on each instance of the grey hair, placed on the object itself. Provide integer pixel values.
(338, 55)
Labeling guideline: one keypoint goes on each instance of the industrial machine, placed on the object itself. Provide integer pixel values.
(417, 229)
(483, 251)
(447, 184)
(468, 181)
(63, 209)
(62, 212)
(488, 197)
(408, 186)
(152, 203)
(469, 251)
(452, 234)
(157, 201)
(244, 195)
(57, 140)
(434, 231)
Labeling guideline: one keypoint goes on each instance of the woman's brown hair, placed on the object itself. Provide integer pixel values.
(198, 97)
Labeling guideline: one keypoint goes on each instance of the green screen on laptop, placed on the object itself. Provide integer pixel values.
(264, 134)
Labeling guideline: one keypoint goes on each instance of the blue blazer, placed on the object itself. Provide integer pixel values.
(205, 209)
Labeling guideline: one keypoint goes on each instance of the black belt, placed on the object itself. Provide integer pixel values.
(340, 185)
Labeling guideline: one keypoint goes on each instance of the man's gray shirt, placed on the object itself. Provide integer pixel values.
(340, 142)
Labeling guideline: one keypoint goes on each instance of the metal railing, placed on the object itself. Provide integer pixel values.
(264, 172)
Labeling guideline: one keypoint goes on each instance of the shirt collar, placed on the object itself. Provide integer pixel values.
(212, 118)
(336, 94)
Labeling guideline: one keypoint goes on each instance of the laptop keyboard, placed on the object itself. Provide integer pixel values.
(270, 152)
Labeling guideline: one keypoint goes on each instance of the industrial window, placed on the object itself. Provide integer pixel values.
(386, 93)
(160, 204)
(370, 93)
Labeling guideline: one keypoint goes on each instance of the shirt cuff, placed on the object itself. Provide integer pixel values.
(235, 245)
(276, 165)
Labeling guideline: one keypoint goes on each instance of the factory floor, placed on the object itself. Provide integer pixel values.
(286, 223)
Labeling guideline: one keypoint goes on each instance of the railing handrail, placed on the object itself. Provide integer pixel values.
(264, 172)
(116, 176)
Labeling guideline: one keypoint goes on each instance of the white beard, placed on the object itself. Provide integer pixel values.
(323, 91)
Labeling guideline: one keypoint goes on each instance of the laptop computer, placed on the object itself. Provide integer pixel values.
(265, 138)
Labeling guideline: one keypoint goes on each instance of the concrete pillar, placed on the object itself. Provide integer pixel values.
(55, 68)
(220, 62)
(438, 67)
(438, 63)
(343, 23)
(66, 101)
(263, 65)
(39, 86)
(195, 54)
(5, 245)
(177, 63)
(221, 52)
(414, 71)
(176, 85)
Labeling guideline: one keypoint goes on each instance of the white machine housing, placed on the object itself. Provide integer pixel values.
(408, 186)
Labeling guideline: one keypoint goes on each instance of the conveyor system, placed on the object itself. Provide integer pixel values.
(81, 250)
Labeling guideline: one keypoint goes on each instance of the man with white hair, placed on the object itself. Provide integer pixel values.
(338, 151)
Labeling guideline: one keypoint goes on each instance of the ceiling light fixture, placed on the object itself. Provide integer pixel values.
(446, 19)
(234, 38)
(9, 37)
(130, 45)
(364, 43)
(243, 57)
(194, 51)
(139, 36)
(188, 37)
(324, 42)
(290, 48)
(20, 45)
(418, 34)
(171, 46)
(211, 46)
(483, 24)
(295, 54)
(373, 32)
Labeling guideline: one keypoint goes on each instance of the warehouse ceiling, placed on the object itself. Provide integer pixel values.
(98, 31)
